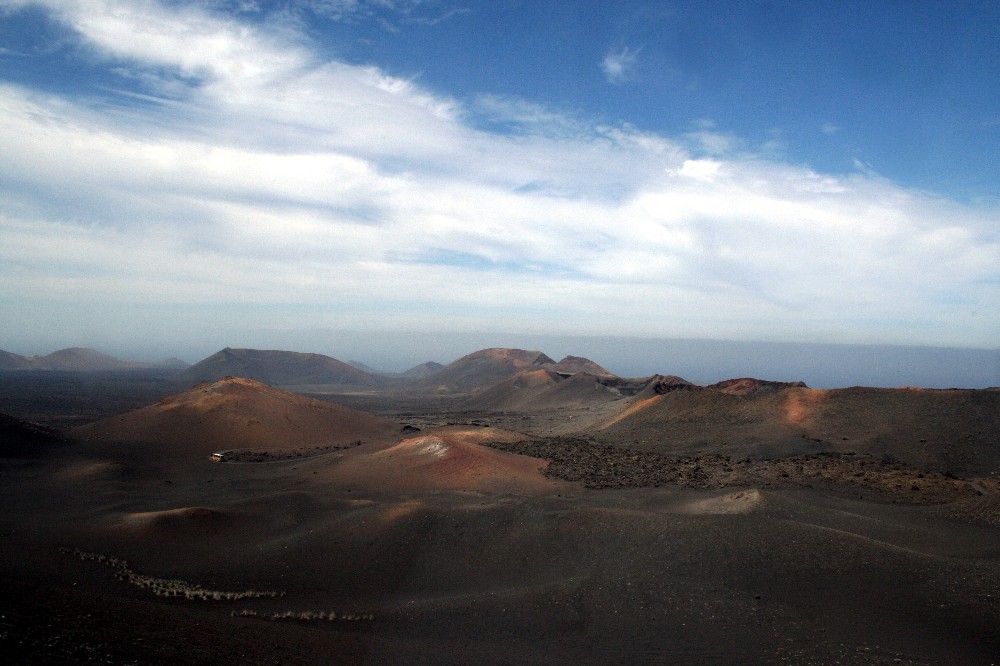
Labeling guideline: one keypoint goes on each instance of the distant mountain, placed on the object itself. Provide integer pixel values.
(80, 359)
(277, 368)
(362, 367)
(423, 371)
(9, 361)
(537, 390)
(487, 367)
(646, 387)
(574, 364)
(547, 388)
(72, 359)
(750, 386)
(172, 364)
(484, 368)
(238, 413)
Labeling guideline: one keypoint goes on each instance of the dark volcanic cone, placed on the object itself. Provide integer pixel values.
(277, 368)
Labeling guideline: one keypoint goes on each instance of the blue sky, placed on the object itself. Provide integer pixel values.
(904, 87)
(772, 171)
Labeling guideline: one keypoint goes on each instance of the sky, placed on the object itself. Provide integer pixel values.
(176, 175)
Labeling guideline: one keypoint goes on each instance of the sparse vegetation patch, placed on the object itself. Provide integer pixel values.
(278, 455)
(305, 616)
(165, 587)
(604, 466)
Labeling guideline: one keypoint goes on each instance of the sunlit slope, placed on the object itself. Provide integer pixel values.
(238, 413)
(484, 368)
(440, 460)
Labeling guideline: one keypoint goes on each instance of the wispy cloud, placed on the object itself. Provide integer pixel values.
(277, 181)
(390, 13)
(829, 128)
(618, 64)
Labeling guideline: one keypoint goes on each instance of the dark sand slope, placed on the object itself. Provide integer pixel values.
(235, 413)
(954, 430)
(452, 576)
(22, 439)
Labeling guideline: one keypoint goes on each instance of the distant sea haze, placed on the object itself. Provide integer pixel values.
(819, 365)
(701, 361)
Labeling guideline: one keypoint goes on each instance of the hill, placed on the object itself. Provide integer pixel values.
(423, 371)
(172, 363)
(277, 368)
(946, 430)
(451, 458)
(238, 413)
(72, 359)
(750, 386)
(485, 368)
(362, 367)
(80, 359)
(574, 364)
(20, 439)
(11, 361)
(647, 387)
(538, 390)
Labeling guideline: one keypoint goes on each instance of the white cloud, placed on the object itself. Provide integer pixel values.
(275, 180)
(829, 128)
(617, 64)
(700, 169)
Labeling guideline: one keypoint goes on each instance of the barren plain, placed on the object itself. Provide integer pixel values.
(503, 509)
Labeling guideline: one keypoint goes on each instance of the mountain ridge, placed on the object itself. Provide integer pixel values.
(483, 369)
(277, 367)
(80, 359)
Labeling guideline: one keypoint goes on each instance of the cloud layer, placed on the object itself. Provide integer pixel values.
(240, 176)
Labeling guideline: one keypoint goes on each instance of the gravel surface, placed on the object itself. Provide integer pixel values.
(603, 466)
